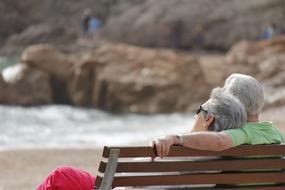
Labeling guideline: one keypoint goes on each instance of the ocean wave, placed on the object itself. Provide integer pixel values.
(58, 126)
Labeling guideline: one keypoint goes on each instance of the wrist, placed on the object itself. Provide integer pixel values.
(172, 139)
(178, 139)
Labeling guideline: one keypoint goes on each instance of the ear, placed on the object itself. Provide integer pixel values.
(210, 119)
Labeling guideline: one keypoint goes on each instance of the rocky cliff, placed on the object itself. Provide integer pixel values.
(215, 24)
(212, 24)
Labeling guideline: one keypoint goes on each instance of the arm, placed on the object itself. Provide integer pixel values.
(215, 141)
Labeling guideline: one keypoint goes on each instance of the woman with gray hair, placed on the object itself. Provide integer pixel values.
(226, 110)
(221, 112)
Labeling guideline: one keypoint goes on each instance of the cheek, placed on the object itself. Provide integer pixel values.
(197, 120)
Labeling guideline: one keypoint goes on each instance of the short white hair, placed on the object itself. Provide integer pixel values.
(228, 111)
(248, 90)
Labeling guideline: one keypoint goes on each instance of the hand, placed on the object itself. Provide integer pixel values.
(162, 145)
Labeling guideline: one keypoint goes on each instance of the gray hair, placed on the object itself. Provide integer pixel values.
(248, 90)
(228, 111)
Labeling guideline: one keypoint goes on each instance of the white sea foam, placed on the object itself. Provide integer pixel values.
(70, 127)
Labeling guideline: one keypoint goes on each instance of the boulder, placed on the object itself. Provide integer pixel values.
(25, 86)
(133, 79)
(262, 58)
(272, 71)
(212, 65)
(275, 97)
(47, 58)
(4, 94)
(81, 84)
(57, 65)
(253, 52)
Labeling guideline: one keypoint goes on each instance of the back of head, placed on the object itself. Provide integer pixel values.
(228, 111)
(248, 90)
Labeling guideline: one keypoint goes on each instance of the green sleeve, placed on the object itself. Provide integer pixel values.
(238, 136)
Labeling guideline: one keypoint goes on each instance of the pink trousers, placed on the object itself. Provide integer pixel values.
(68, 178)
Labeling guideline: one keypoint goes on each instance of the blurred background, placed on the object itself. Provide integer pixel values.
(78, 75)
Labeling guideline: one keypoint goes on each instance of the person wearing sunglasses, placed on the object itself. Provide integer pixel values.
(222, 111)
(205, 136)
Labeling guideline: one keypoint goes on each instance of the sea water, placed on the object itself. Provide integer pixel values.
(58, 126)
(6, 61)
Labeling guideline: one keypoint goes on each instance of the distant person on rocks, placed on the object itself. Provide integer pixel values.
(198, 37)
(177, 28)
(270, 31)
(94, 26)
(86, 21)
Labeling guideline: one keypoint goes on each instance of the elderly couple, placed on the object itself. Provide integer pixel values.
(228, 119)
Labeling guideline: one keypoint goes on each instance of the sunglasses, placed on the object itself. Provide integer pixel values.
(201, 109)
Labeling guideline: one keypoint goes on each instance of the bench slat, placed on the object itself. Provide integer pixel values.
(222, 178)
(178, 151)
(279, 187)
(176, 166)
(253, 187)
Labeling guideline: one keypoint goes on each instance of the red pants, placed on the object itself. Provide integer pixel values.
(68, 178)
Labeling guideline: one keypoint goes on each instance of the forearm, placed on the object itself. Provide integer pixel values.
(215, 141)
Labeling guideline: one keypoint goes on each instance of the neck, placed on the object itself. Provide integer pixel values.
(252, 118)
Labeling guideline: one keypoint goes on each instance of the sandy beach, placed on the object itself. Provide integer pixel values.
(275, 114)
(24, 169)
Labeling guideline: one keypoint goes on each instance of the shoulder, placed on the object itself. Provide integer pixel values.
(239, 136)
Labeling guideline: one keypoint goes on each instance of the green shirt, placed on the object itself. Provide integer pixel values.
(256, 133)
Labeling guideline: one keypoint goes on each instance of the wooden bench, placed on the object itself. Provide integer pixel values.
(187, 168)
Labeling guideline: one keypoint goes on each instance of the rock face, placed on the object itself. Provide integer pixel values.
(132, 79)
(264, 59)
(200, 24)
(82, 83)
(49, 59)
(210, 24)
(37, 34)
(18, 18)
(23, 85)
(4, 92)
(56, 64)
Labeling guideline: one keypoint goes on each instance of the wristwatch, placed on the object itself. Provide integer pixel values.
(179, 139)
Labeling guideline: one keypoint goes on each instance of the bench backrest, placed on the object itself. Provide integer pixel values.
(185, 167)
